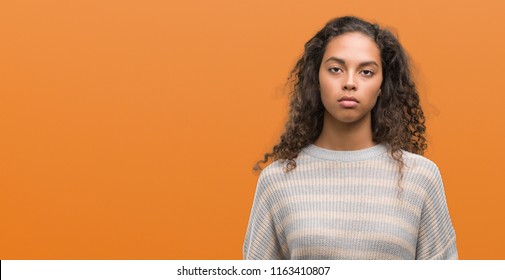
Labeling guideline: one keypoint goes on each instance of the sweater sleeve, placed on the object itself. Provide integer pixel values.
(262, 241)
(436, 239)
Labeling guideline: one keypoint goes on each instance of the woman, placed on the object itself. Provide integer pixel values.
(348, 180)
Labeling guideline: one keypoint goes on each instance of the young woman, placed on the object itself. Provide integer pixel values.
(347, 179)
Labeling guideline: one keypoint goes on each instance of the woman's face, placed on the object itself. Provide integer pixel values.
(350, 77)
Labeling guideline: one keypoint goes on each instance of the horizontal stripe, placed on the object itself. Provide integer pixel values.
(324, 253)
(350, 236)
(374, 220)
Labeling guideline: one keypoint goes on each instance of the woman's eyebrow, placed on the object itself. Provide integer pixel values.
(341, 61)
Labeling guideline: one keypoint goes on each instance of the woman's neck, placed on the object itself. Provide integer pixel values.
(345, 136)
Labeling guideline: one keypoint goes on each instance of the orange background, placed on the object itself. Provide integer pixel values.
(128, 129)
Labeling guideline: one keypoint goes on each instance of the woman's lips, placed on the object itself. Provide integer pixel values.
(348, 102)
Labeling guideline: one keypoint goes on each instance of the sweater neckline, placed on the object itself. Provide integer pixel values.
(345, 156)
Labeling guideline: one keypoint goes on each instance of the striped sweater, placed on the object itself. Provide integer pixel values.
(347, 205)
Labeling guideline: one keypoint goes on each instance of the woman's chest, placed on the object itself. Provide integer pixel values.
(349, 226)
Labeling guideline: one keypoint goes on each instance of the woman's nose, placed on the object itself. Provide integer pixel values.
(349, 84)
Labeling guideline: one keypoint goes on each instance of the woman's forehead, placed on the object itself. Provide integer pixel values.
(352, 46)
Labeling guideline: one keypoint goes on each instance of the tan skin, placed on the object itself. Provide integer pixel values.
(350, 77)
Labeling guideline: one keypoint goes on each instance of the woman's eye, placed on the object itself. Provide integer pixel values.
(367, 73)
(335, 69)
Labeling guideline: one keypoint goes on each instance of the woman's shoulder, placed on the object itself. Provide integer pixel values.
(416, 161)
(275, 175)
(423, 171)
(274, 169)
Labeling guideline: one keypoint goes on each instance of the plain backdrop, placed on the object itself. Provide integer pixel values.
(128, 129)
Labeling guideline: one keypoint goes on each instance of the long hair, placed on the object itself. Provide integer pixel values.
(397, 118)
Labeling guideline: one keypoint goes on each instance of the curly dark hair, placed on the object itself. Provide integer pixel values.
(397, 118)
